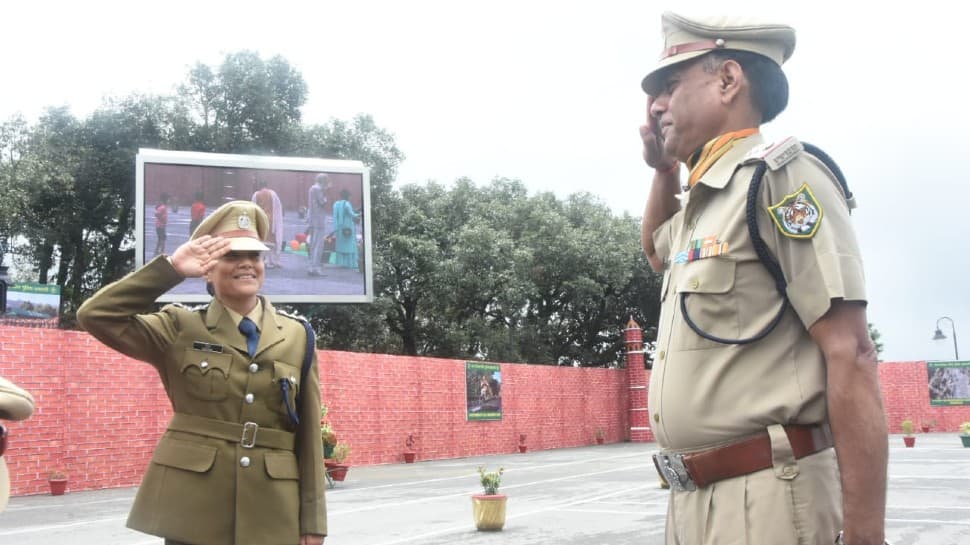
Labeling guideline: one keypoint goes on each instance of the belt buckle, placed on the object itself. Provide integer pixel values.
(672, 467)
(248, 439)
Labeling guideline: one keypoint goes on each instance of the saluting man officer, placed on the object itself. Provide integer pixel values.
(764, 361)
(234, 467)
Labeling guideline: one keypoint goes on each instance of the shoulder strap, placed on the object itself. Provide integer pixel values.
(782, 154)
(311, 345)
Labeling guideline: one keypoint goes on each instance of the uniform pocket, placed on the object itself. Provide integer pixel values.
(290, 375)
(705, 289)
(185, 455)
(206, 374)
(282, 465)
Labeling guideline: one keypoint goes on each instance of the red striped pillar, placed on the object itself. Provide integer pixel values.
(636, 373)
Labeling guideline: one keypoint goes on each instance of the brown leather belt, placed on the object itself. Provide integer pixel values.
(248, 435)
(690, 470)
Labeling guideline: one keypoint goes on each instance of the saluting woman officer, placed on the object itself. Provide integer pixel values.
(241, 462)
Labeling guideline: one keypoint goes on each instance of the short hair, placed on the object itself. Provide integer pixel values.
(321, 178)
(769, 86)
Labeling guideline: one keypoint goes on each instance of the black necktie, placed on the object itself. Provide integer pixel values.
(248, 328)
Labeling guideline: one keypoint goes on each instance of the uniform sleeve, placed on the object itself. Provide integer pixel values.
(821, 262)
(120, 314)
(662, 239)
(313, 504)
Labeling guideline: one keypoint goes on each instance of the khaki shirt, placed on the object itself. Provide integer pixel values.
(199, 488)
(704, 393)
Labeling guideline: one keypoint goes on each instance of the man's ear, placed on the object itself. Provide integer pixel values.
(731, 79)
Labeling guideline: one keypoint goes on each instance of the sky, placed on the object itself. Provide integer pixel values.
(548, 92)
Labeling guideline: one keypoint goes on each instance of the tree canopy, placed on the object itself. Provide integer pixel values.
(469, 271)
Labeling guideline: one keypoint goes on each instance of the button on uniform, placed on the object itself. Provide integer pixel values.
(204, 364)
(253, 368)
(250, 398)
(244, 461)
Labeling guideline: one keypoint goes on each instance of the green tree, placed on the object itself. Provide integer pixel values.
(875, 335)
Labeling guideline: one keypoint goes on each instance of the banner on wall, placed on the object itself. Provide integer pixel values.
(483, 388)
(29, 304)
(949, 382)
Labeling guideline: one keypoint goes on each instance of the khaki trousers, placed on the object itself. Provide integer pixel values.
(770, 507)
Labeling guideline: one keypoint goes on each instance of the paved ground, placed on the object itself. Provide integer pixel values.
(594, 495)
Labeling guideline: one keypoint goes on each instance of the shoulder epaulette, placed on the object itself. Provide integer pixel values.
(775, 154)
(292, 315)
(193, 308)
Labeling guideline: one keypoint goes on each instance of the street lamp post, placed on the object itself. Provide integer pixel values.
(940, 336)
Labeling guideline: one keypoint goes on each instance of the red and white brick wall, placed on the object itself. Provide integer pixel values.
(99, 414)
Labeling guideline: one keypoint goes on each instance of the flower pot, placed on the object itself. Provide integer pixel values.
(328, 450)
(909, 441)
(599, 440)
(58, 486)
(523, 448)
(966, 440)
(926, 429)
(489, 511)
(409, 457)
(338, 472)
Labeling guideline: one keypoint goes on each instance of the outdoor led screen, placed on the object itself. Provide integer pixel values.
(173, 189)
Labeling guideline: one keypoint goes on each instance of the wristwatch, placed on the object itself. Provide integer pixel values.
(838, 540)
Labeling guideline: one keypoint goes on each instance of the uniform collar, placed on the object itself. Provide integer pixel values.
(719, 174)
(224, 323)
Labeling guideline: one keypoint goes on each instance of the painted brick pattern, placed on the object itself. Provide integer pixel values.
(99, 414)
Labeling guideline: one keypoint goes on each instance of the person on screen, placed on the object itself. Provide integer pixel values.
(161, 224)
(269, 202)
(345, 231)
(241, 461)
(317, 223)
(197, 212)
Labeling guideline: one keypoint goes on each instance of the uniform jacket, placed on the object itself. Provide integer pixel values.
(704, 393)
(202, 489)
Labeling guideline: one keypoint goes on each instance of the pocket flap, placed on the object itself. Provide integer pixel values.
(710, 275)
(282, 465)
(285, 371)
(185, 455)
(206, 362)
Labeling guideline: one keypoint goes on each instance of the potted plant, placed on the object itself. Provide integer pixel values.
(336, 466)
(600, 436)
(908, 439)
(522, 446)
(409, 453)
(327, 435)
(927, 425)
(489, 508)
(58, 482)
(965, 434)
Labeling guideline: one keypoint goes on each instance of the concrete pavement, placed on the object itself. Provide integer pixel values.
(591, 495)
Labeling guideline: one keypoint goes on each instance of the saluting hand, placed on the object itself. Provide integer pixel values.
(195, 257)
(653, 151)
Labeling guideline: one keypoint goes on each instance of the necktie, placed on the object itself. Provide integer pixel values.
(248, 328)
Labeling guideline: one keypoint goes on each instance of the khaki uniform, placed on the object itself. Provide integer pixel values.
(703, 393)
(200, 488)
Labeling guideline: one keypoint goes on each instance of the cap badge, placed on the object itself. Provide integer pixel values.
(797, 215)
(244, 222)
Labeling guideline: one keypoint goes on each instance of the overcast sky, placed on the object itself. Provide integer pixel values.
(548, 92)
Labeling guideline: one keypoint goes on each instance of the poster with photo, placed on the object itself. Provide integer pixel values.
(949, 382)
(29, 302)
(483, 390)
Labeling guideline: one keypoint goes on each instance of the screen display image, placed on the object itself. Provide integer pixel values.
(319, 210)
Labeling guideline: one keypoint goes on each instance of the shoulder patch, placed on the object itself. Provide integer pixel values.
(797, 215)
(775, 155)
